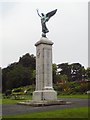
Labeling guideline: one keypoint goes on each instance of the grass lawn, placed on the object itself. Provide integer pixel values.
(13, 101)
(81, 112)
(0, 101)
(10, 101)
(74, 96)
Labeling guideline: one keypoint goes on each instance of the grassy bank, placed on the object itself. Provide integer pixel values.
(81, 112)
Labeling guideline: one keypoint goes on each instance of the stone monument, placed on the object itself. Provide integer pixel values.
(44, 86)
(44, 93)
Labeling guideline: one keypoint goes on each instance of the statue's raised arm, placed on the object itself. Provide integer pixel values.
(38, 13)
(44, 19)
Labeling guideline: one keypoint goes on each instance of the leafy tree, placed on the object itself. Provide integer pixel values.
(33, 76)
(17, 77)
(28, 60)
(19, 74)
(88, 73)
(77, 71)
(65, 69)
(64, 78)
(74, 71)
(54, 72)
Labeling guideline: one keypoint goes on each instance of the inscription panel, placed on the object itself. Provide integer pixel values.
(47, 66)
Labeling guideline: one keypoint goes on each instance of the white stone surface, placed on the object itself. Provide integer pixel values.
(44, 88)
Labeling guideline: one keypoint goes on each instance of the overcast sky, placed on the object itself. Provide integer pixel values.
(21, 29)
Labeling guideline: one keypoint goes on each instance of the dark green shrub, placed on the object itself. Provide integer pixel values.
(8, 93)
(17, 90)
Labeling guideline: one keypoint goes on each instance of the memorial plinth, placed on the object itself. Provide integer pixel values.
(44, 87)
(44, 94)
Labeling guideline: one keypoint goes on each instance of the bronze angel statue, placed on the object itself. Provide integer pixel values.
(44, 19)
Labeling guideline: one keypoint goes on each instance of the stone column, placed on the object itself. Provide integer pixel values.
(44, 87)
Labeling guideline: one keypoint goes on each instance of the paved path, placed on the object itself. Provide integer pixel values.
(13, 109)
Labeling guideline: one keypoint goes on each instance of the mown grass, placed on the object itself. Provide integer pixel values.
(74, 96)
(0, 101)
(10, 101)
(13, 101)
(81, 112)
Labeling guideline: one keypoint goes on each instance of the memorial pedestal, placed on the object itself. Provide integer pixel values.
(44, 87)
(44, 94)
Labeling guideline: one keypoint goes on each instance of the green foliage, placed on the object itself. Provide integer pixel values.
(8, 93)
(19, 93)
(77, 71)
(88, 73)
(27, 61)
(64, 78)
(20, 89)
(24, 90)
(74, 71)
(67, 88)
(58, 88)
(65, 69)
(19, 74)
(54, 72)
(23, 73)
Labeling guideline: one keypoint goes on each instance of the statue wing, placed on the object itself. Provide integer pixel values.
(50, 14)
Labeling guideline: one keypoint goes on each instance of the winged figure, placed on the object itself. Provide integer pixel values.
(44, 19)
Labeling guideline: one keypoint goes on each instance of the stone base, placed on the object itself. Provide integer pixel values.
(43, 103)
(45, 95)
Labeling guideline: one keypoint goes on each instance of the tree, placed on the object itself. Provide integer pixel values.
(65, 69)
(64, 78)
(28, 60)
(88, 73)
(19, 74)
(54, 73)
(74, 71)
(77, 71)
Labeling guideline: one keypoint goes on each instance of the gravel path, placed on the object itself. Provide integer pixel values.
(14, 109)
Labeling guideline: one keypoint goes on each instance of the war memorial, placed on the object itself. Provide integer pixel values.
(44, 93)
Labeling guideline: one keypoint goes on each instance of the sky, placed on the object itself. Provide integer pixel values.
(21, 29)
